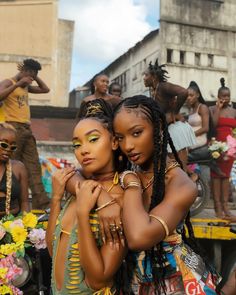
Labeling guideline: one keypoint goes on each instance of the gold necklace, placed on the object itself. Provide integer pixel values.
(115, 181)
(150, 182)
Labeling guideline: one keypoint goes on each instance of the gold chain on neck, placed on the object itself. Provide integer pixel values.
(8, 185)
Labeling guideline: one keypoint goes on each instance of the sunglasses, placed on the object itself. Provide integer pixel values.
(6, 146)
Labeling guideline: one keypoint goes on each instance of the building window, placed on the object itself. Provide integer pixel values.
(197, 59)
(122, 81)
(169, 55)
(210, 62)
(182, 57)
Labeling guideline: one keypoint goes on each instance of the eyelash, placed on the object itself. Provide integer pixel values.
(137, 133)
(93, 139)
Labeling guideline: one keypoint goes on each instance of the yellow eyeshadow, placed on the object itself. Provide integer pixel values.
(76, 142)
(91, 137)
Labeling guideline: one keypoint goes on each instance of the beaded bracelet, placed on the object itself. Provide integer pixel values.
(163, 223)
(105, 205)
(122, 176)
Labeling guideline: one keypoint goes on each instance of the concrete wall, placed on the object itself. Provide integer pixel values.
(204, 32)
(30, 28)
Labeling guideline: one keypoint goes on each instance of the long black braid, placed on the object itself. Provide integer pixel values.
(158, 71)
(150, 109)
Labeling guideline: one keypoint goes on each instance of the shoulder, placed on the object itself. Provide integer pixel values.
(88, 98)
(203, 108)
(6, 83)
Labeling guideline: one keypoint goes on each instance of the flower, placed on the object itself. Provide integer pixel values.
(3, 272)
(2, 232)
(5, 290)
(231, 142)
(17, 222)
(30, 220)
(215, 155)
(7, 224)
(37, 237)
(19, 234)
(8, 249)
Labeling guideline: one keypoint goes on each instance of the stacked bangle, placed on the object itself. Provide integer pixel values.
(162, 222)
(133, 184)
(112, 201)
(122, 177)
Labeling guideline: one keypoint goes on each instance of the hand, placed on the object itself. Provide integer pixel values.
(25, 81)
(59, 179)
(220, 103)
(110, 219)
(87, 194)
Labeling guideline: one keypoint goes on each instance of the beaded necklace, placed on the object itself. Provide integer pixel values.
(8, 185)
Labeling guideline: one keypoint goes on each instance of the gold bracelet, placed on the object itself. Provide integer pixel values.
(122, 177)
(163, 223)
(133, 184)
(105, 205)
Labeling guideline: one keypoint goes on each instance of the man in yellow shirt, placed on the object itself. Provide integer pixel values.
(14, 95)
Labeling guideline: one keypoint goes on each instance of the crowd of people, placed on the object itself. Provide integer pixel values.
(125, 227)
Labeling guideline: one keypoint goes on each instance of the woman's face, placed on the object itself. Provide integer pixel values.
(135, 136)
(192, 97)
(101, 84)
(224, 96)
(7, 144)
(94, 146)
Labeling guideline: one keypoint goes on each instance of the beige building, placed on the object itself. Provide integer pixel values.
(31, 29)
(197, 41)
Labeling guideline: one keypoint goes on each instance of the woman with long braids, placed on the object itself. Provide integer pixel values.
(171, 98)
(165, 261)
(13, 175)
(224, 120)
(83, 262)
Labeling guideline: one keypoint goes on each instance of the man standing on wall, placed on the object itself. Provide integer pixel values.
(14, 95)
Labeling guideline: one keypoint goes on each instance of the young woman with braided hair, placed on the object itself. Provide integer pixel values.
(165, 260)
(83, 262)
(224, 120)
(171, 98)
(13, 175)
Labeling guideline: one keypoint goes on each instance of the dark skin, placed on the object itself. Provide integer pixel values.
(99, 264)
(203, 111)
(221, 185)
(18, 169)
(101, 84)
(133, 131)
(23, 79)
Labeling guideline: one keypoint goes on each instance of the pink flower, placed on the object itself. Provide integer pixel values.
(12, 269)
(231, 142)
(17, 222)
(37, 237)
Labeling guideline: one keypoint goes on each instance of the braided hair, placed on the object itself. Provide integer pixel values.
(212, 131)
(100, 110)
(150, 109)
(223, 87)
(158, 71)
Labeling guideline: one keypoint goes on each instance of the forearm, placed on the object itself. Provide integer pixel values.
(201, 131)
(25, 206)
(55, 209)
(181, 98)
(41, 88)
(90, 256)
(215, 116)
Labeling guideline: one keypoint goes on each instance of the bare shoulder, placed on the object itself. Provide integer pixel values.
(6, 83)
(17, 164)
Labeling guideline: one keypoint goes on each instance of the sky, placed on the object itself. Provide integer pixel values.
(104, 30)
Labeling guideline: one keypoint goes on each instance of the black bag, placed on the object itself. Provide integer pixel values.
(199, 154)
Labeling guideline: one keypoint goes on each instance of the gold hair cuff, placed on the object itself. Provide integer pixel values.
(105, 205)
(163, 223)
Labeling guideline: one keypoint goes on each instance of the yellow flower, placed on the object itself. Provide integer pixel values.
(19, 234)
(30, 220)
(3, 272)
(7, 224)
(215, 155)
(8, 249)
(5, 290)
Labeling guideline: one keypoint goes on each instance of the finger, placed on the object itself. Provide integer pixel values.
(107, 232)
(120, 231)
(103, 235)
(77, 187)
(96, 191)
(114, 233)
(68, 176)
